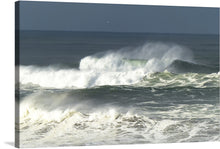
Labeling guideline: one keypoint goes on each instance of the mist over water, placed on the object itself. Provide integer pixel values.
(154, 92)
(123, 67)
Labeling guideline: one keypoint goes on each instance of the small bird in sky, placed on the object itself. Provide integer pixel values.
(107, 22)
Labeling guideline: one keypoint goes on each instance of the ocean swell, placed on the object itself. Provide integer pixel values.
(127, 66)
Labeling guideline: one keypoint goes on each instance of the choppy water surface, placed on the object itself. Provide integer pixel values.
(151, 90)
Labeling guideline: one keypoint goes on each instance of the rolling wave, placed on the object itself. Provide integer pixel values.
(111, 127)
(60, 105)
(168, 79)
(126, 67)
(179, 66)
(46, 122)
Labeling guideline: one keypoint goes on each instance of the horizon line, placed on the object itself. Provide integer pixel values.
(115, 32)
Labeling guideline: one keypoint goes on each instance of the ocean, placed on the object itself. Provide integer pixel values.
(102, 88)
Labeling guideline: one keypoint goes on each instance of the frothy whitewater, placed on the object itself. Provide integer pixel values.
(155, 93)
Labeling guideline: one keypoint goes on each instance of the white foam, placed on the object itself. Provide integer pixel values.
(167, 79)
(108, 68)
(40, 127)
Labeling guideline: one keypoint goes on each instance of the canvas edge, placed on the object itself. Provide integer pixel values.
(17, 61)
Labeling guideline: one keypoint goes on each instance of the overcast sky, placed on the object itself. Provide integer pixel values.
(117, 18)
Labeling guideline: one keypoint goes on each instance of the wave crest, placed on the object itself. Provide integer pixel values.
(62, 124)
(168, 79)
(152, 57)
(127, 66)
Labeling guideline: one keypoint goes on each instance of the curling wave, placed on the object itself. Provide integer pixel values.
(123, 67)
(179, 66)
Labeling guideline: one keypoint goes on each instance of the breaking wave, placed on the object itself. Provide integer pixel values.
(64, 106)
(126, 66)
(167, 79)
(41, 118)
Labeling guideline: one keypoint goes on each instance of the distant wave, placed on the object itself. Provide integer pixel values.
(180, 66)
(126, 66)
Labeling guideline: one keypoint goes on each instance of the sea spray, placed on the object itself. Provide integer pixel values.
(87, 90)
(157, 57)
(123, 67)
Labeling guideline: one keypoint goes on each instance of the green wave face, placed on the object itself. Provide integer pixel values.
(135, 62)
(168, 79)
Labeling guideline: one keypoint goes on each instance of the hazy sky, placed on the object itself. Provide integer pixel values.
(117, 18)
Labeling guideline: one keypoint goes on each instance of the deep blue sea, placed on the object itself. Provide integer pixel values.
(95, 88)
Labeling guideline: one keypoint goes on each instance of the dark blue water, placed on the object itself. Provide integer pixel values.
(90, 88)
(48, 47)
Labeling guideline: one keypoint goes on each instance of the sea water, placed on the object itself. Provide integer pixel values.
(93, 88)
